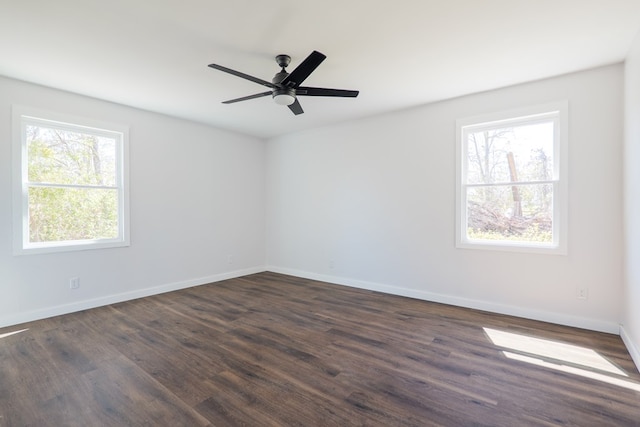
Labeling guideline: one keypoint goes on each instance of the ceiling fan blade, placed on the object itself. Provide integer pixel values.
(303, 70)
(296, 108)
(243, 75)
(245, 98)
(320, 91)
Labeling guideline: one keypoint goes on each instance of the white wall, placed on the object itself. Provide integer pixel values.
(631, 324)
(372, 204)
(197, 197)
(368, 203)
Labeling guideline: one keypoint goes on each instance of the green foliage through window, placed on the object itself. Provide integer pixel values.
(63, 214)
(72, 189)
(72, 183)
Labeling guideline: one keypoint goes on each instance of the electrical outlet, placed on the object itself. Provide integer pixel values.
(582, 293)
(230, 259)
(74, 283)
(332, 264)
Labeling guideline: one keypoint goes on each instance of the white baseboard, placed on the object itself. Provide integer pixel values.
(58, 310)
(545, 316)
(633, 349)
(558, 318)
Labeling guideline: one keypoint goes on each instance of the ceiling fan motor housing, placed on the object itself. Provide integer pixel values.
(279, 77)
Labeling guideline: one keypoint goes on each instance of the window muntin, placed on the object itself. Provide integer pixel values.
(511, 186)
(70, 190)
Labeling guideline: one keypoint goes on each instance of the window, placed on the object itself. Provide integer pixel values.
(70, 183)
(511, 177)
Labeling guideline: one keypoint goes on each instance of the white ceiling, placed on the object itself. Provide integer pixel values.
(154, 54)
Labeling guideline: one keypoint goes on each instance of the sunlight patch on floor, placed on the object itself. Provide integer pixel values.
(8, 334)
(560, 356)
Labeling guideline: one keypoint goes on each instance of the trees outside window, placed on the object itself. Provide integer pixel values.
(70, 183)
(511, 185)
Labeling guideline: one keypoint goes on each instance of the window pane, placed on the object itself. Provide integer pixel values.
(68, 157)
(509, 154)
(60, 214)
(517, 213)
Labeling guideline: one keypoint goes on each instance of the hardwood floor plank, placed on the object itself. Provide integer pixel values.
(123, 394)
(27, 380)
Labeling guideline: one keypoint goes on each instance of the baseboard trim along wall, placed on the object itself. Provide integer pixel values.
(58, 310)
(557, 318)
(634, 351)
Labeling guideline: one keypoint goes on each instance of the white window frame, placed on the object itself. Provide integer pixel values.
(559, 112)
(21, 116)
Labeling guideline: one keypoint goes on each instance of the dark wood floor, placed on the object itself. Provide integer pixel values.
(274, 350)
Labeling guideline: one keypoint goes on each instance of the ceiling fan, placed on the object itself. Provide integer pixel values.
(286, 87)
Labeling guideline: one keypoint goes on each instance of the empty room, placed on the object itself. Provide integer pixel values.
(295, 213)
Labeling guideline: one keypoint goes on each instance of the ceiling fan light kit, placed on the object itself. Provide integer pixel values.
(284, 96)
(285, 87)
